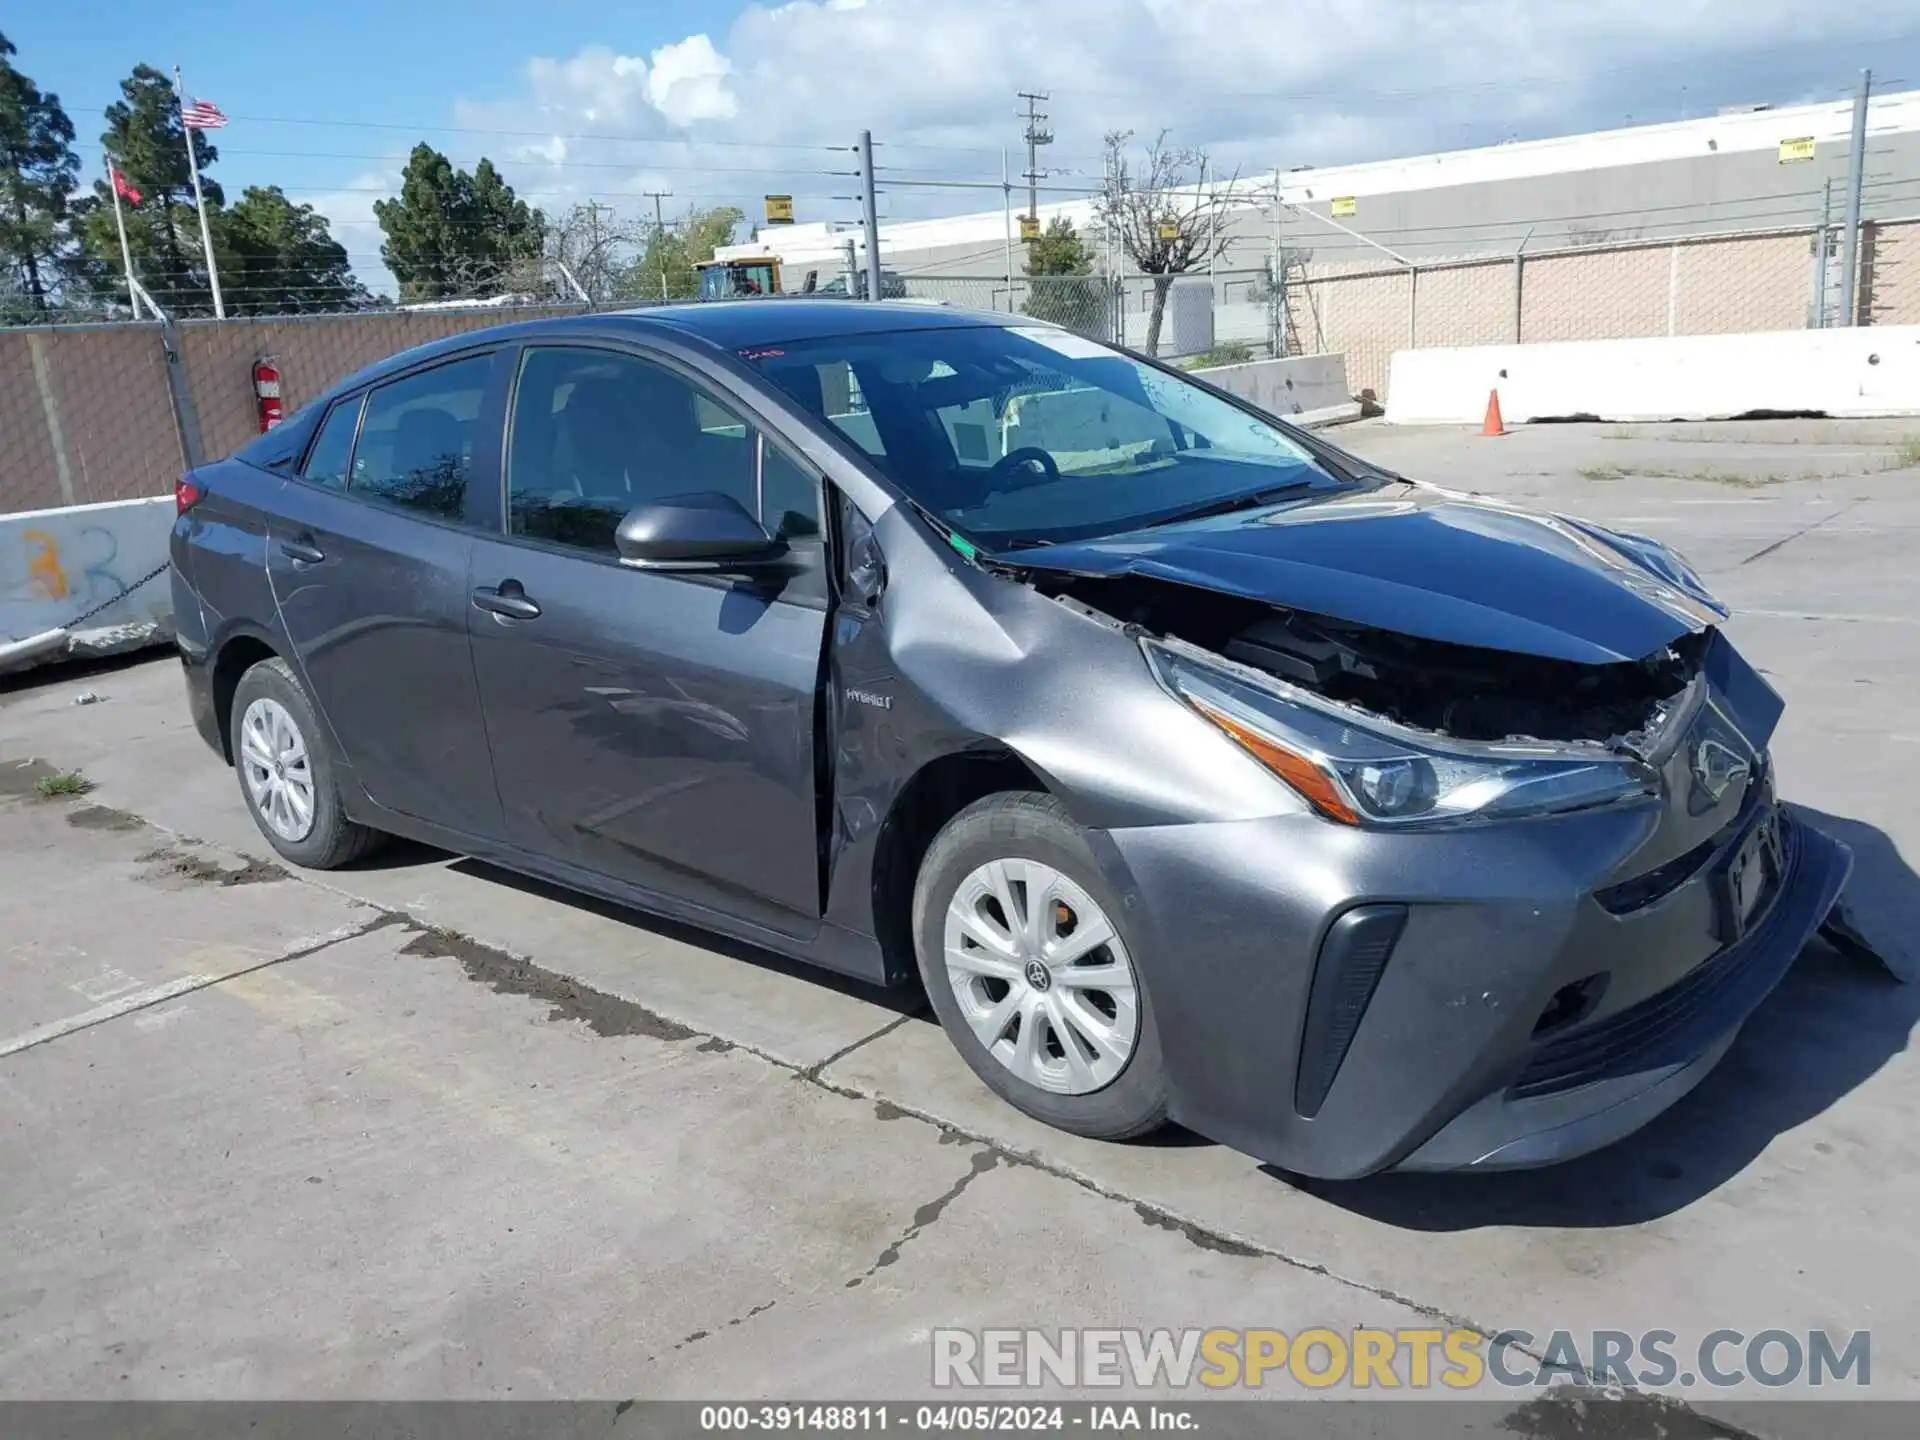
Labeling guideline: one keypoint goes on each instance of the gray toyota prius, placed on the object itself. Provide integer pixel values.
(1198, 770)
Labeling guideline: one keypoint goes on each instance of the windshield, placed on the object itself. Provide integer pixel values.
(721, 282)
(1029, 435)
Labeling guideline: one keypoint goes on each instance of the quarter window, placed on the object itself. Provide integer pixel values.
(333, 446)
(416, 443)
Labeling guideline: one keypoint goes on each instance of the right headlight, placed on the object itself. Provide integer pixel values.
(1361, 769)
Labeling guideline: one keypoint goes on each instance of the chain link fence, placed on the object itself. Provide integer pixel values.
(85, 416)
(1087, 304)
(1706, 285)
(95, 412)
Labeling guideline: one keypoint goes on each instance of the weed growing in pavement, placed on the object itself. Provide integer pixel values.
(67, 782)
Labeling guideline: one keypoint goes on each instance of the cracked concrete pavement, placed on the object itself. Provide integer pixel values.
(426, 1129)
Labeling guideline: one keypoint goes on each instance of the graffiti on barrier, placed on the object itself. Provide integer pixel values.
(50, 575)
(43, 564)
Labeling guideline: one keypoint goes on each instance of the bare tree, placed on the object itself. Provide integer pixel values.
(1165, 220)
(595, 245)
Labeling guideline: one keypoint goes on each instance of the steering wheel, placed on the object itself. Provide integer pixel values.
(1030, 461)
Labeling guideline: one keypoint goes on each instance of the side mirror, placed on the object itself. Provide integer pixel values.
(705, 531)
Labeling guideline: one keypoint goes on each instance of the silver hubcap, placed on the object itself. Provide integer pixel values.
(273, 759)
(1041, 976)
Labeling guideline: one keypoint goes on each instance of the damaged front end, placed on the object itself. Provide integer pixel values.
(1379, 728)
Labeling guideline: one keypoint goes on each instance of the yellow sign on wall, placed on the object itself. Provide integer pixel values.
(779, 209)
(1344, 205)
(1793, 151)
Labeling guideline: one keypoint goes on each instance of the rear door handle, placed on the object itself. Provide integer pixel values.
(303, 550)
(507, 599)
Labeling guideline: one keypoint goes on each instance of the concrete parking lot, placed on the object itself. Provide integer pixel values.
(425, 1129)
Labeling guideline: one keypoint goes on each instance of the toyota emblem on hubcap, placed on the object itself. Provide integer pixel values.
(1038, 976)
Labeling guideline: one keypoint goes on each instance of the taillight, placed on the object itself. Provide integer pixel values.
(186, 495)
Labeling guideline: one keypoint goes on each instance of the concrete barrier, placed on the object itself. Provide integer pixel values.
(1842, 373)
(1309, 390)
(57, 566)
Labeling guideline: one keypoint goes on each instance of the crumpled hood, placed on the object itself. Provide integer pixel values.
(1426, 562)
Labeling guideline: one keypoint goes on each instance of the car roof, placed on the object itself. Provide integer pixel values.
(726, 324)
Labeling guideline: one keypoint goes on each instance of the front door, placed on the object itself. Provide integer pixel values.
(368, 554)
(658, 728)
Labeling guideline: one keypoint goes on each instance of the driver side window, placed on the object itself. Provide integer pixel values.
(596, 433)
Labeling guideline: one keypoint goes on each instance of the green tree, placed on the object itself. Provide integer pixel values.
(667, 260)
(38, 171)
(279, 258)
(1059, 250)
(452, 235)
(1063, 289)
(144, 138)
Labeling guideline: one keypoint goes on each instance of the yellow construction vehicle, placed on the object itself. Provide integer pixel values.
(730, 279)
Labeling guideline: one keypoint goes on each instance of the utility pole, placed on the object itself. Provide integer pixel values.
(659, 234)
(1856, 179)
(870, 215)
(1037, 135)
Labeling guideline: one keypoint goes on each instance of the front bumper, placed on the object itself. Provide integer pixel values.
(1605, 1080)
(1463, 1048)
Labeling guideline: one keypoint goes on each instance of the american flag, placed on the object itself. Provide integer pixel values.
(202, 115)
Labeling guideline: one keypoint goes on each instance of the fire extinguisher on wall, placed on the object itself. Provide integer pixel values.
(266, 393)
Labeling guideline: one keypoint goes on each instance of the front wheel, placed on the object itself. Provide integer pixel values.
(286, 774)
(1023, 949)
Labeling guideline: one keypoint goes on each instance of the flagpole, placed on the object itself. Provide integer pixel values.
(199, 200)
(126, 251)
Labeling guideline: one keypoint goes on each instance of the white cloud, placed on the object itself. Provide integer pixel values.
(596, 86)
(689, 82)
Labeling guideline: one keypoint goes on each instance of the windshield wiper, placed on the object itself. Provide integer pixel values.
(1253, 500)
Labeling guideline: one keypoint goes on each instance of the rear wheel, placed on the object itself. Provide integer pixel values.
(1024, 952)
(286, 775)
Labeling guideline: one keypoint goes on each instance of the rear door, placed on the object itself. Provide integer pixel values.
(368, 554)
(655, 727)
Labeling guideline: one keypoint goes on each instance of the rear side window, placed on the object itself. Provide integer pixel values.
(417, 440)
(327, 460)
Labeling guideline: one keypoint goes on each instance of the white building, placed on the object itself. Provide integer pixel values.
(1755, 170)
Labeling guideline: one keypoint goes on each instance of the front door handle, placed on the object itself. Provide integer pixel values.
(303, 550)
(506, 599)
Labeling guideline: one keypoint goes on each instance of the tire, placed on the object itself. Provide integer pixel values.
(324, 838)
(1034, 836)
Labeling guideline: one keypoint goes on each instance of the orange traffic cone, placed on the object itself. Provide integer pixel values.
(1494, 424)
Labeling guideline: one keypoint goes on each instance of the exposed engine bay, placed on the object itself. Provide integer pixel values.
(1456, 690)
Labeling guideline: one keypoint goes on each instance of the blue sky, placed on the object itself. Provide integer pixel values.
(579, 100)
(389, 67)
